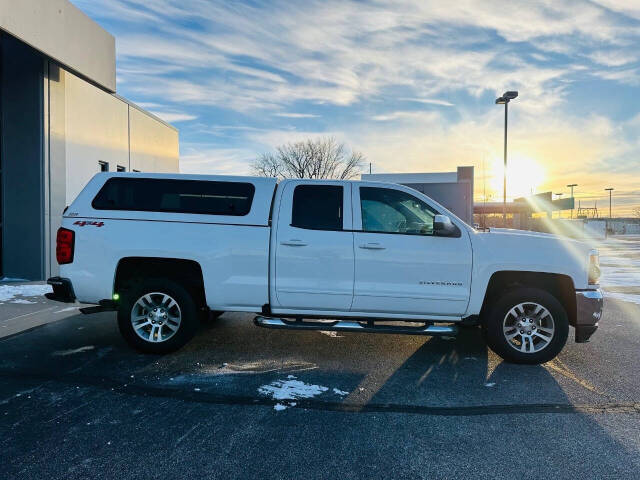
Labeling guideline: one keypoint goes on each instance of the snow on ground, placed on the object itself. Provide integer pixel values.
(68, 309)
(64, 353)
(330, 333)
(12, 293)
(293, 389)
(620, 265)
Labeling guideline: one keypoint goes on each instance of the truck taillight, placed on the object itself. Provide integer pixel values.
(64, 246)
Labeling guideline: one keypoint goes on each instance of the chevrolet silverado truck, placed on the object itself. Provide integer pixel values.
(165, 250)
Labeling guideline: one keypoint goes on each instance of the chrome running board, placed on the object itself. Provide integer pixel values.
(355, 326)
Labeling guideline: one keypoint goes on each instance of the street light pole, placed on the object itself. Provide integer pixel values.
(610, 189)
(504, 169)
(504, 100)
(571, 187)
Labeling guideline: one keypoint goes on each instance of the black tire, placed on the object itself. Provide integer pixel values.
(495, 336)
(189, 322)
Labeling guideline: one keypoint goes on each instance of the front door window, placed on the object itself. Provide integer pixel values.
(385, 210)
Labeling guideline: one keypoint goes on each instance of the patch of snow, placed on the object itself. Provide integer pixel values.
(259, 367)
(10, 279)
(331, 333)
(283, 406)
(8, 293)
(620, 267)
(64, 353)
(490, 384)
(21, 300)
(337, 391)
(291, 390)
(68, 309)
(625, 297)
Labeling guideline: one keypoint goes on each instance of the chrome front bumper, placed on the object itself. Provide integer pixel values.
(588, 313)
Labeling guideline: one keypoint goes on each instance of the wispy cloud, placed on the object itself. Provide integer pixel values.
(397, 79)
(429, 101)
(296, 115)
(174, 117)
(401, 115)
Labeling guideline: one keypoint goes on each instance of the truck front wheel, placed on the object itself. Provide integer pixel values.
(527, 325)
(157, 315)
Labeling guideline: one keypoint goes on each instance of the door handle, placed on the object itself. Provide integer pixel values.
(372, 246)
(293, 243)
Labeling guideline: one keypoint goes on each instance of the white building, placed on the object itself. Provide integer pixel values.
(60, 123)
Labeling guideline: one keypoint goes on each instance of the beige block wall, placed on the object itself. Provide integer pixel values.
(96, 130)
(154, 145)
(103, 127)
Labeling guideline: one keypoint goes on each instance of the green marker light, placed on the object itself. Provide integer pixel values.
(116, 296)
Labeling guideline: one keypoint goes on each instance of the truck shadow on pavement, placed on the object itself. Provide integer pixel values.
(69, 367)
(231, 361)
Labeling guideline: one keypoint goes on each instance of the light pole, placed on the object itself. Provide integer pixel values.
(573, 201)
(610, 189)
(504, 100)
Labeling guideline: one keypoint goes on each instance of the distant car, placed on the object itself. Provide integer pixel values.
(476, 226)
(163, 249)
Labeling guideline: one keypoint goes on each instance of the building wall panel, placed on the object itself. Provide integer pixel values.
(154, 145)
(63, 32)
(96, 130)
(21, 127)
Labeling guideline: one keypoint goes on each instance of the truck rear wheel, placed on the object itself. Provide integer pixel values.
(527, 325)
(157, 315)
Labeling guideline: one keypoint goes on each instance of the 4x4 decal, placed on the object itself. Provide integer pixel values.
(82, 223)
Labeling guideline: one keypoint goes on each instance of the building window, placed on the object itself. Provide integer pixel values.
(317, 207)
(104, 166)
(120, 168)
(168, 195)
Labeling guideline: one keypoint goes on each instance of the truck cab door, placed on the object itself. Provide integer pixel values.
(314, 259)
(401, 265)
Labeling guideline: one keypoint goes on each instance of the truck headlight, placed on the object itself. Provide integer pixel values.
(594, 267)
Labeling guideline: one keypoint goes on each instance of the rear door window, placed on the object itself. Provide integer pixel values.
(181, 196)
(317, 207)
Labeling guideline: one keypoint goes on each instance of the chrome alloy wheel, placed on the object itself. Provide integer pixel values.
(156, 317)
(528, 327)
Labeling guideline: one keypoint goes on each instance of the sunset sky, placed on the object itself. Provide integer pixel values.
(409, 84)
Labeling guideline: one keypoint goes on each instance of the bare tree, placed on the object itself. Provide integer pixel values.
(312, 158)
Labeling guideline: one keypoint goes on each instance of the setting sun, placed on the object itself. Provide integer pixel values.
(524, 176)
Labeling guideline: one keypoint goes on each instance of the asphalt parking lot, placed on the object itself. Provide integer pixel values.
(76, 402)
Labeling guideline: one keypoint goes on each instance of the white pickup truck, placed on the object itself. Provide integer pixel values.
(164, 250)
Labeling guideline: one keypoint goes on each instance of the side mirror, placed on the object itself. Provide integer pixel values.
(442, 226)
